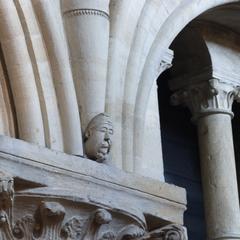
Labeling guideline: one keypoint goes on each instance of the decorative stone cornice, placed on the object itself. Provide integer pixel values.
(86, 12)
(207, 98)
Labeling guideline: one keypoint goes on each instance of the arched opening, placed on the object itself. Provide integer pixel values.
(206, 48)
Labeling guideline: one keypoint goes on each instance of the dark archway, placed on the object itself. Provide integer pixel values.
(179, 137)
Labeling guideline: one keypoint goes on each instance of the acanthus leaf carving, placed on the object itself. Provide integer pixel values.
(6, 190)
(24, 228)
(74, 228)
(99, 218)
(52, 215)
(110, 235)
(131, 232)
(5, 227)
(212, 96)
(47, 223)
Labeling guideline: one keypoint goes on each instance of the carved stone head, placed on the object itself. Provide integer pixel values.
(97, 137)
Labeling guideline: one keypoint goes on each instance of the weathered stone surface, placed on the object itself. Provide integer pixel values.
(51, 219)
(98, 138)
(75, 178)
(210, 95)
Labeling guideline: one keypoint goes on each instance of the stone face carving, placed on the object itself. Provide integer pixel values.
(97, 137)
(208, 97)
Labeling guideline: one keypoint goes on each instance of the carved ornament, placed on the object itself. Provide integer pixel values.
(49, 222)
(98, 138)
(86, 11)
(207, 98)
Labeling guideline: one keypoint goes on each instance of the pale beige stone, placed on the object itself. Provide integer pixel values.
(87, 30)
(21, 75)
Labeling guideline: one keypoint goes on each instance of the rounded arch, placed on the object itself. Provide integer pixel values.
(174, 24)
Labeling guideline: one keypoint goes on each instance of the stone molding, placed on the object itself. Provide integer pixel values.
(207, 97)
(86, 11)
(78, 203)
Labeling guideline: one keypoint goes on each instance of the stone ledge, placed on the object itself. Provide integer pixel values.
(64, 176)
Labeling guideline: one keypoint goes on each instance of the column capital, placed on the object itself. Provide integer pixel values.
(208, 97)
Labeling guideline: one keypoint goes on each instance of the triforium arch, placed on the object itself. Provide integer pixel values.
(205, 78)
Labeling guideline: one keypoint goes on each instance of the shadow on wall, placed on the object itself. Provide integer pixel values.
(180, 155)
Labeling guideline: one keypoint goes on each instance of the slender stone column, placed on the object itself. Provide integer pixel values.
(211, 103)
(87, 29)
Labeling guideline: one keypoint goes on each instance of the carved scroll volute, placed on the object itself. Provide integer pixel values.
(170, 232)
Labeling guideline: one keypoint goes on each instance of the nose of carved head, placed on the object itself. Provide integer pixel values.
(106, 136)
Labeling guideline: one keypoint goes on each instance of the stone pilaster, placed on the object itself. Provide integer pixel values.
(211, 105)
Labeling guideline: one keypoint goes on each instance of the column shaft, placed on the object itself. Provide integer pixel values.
(87, 29)
(219, 176)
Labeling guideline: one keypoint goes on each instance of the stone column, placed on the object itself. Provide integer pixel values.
(210, 103)
(87, 29)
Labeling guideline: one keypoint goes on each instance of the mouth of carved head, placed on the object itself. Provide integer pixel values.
(103, 151)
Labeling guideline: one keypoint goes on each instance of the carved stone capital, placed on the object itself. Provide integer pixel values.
(207, 98)
(48, 223)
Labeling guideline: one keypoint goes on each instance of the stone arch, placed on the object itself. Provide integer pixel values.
(174, 24)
